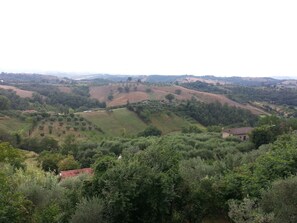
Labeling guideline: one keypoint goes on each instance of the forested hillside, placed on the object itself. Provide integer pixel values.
(270, 94)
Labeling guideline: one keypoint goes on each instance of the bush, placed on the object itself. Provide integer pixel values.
(50, 213)
(52, 119)
(50, 129)
(13, 206)
(88, 211)
(150, 131)
(214, 128)
(69, 163)
(247, 211)
(280, 200)
(191, 129)
(178, 91)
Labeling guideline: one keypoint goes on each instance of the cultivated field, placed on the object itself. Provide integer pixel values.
(116, 122)
(124, 122)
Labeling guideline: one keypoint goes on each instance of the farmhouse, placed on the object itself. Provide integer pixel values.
(74, 173)
(241, 133)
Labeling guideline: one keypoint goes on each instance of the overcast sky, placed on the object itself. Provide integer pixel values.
(210, 37)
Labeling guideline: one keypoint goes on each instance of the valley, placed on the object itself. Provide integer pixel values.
(145, 149)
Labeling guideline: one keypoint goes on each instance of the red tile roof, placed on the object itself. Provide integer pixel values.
(73, 173)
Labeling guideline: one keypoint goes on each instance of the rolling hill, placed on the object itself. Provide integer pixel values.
(133, 92)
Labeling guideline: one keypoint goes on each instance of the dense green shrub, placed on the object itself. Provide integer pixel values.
(150, 131)
(89, 210)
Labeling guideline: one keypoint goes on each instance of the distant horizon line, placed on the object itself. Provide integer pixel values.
(87, 73)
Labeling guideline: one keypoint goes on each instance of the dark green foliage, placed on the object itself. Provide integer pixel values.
(141, 189)
(68, 163)
(264, 135)
(214, 128)
(110, 97)
(39, 144)
(8, 154)
(170, 97)
(270, 127)
(202, 86)
(272, 95)
(216, 113)
(50, 129)
(4, 103)
(244, 94)
(173, 178)
(80, 97)
(48, 143)
(36, 97)
(212, 114)
(49, 161)
(73, 101)
(28, 78)
(127, 89)
(191, 129)
(81, 90)
(178, 91)
(14, 207)
(88, 211)
(150, 131)
(9, 100)
(281, 200)
(103, 164)
(48, 214)
(279, 162)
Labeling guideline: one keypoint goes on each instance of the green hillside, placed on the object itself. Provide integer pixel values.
(13, 125)
(121, 121)
(116, 122)
(170, 122)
